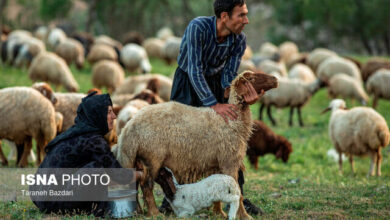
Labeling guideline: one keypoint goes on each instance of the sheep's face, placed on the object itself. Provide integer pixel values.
(334, 105)
(46, 91)
(259, 80)
(165, 180)
(284, 149)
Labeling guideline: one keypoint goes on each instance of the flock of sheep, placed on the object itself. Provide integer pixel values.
(173, 135)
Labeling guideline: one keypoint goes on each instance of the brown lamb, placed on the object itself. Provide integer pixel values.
(264, 141)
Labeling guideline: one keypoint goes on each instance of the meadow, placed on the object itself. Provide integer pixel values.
(308, 186)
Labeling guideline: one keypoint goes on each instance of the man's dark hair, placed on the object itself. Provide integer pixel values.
(226, 6)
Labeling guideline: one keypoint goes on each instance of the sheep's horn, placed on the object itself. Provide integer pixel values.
(325, 110)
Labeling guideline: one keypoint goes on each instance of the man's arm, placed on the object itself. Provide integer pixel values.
(194, 40)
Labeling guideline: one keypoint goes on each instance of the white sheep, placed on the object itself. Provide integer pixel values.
(359, 131)
(72, 51)
(134, 58)
(378, 85)
(246, 65)
(269, 66)
(49, 67)
(317, 56)
(30, 48)
(287, 50)
(55, 37)
(153, 47)
(101, 52)
(290, 93)
(346, 86)
(164, 33)
(109, 74)
(128, 112)
(268, 49)
(177, 136)
(302, 72)
(135, 84)
(37, 123)
(336, 65)
(171, 49)
(186, 199)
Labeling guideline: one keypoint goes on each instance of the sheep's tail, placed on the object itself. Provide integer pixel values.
(384, 137)
(126, 152)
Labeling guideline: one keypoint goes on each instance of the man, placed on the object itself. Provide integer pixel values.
(210, 54)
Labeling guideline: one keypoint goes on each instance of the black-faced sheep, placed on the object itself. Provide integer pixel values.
(264, 141)
(359, 131)
(109, 74)
(182, 142)
(49, 67)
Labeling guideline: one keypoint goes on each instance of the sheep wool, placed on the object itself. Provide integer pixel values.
(359, 131)
(135, 58)
(317, 56)
(336, 65)
(109, 74)
(101, 52)
(347, 87)
(378, 85)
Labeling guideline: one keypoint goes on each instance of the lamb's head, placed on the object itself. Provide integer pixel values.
(335, 104)
(259, 80)
(284, 149)
(46, 91)
(148, 96)
(167, 181)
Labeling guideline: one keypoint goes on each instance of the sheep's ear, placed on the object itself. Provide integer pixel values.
(241, 88)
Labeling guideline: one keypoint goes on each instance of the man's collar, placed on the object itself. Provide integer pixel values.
(229, 39)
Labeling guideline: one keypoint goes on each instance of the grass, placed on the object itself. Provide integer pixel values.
(309, 186)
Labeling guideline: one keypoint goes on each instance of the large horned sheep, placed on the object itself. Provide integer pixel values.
(167, 135)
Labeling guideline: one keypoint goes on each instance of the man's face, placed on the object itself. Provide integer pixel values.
(237, 21)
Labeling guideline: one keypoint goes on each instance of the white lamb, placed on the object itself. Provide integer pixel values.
(187, 199)
(134, 57)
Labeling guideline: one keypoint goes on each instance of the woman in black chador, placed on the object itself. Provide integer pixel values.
(83, 146)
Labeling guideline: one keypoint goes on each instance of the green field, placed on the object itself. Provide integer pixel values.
(309, 186)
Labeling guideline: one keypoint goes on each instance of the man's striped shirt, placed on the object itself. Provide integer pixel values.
(202, 55)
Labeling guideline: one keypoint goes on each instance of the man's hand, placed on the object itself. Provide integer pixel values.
(226, 111)
(251, 97)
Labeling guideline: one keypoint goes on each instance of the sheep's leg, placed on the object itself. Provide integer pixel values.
(41, 144)
(4, 160)
(261, 111)
(340, 162)
(233, 209)
(352, 163)
(378, 162)
(270, 115)
(300, 117)
(218, 209)
(147, 189)
(372, 164)
(25, 148)
(254, 161)
(290, 121)
(375, 102)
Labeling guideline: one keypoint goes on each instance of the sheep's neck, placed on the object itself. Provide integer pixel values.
(245, 113)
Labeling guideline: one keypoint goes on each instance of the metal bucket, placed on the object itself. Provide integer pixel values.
(122, 203)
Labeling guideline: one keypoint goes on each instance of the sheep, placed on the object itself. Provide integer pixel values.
(290, 93)
(41, 33)
(302, 72)
(55, 37)
(295, 59)
(135, 84)
(51, 68)
(372, 65)
(153, 47)
(127, 113)
(109, 74)
(29, 49)
(171, 49)
(186, 199)
(246, 65)
(164, 33)
(269, 66)
(347, 87)
(263, 141)
(134, 58)
(104, 39)
(38, 123)
(317, 56)
(248, 54)
(167, 135)
(359, 131)
(67, 104)
(86, 39)
(268, 49)
(133, 37)
(335, 65)
(72, 51)
(378, 85)
(287, 50)
(101, 52)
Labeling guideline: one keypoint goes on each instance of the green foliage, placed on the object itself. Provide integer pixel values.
(52, 9)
